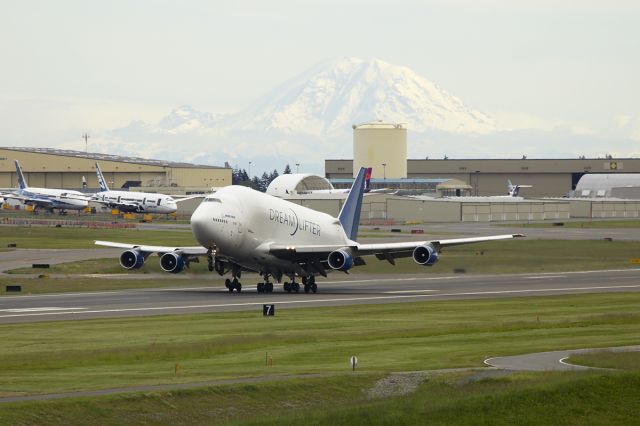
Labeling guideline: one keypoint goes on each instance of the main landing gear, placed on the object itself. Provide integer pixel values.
(266, 286)
(308, 283)
(233, 284)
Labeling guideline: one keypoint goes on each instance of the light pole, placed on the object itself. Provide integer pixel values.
(384, 171)
(249, 170)
(297, 167)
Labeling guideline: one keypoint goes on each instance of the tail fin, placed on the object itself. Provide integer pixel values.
(22, 183)
(349, 216)
(101, 181)
(367, 179)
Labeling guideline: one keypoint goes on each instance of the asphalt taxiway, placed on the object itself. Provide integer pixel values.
(352, 290)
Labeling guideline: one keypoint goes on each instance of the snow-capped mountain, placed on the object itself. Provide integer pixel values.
(310, 113)
(330, 97)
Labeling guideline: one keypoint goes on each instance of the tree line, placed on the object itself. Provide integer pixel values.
(241, 177)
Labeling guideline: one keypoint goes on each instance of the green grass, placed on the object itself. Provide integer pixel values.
(520, 398)
(599, 224)
(624, 360)
(529, 399)
(93, 354)
(45, 237)
(521, 255)
(518, 256)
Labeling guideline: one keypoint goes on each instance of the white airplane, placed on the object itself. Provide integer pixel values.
(514, 190)
(240, 229)
(135, 202)
(339, 193)
(47, 198)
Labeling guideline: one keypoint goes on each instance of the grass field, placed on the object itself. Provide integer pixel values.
(515, 256)
(46, 237)
(628, 360)
(529, 399)
(93, 354)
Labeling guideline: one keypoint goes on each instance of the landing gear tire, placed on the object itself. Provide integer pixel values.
(233, 285)
(307, 288)
(268, 287)
(287, 287)
(295, 287)
(260, 287)
(314, 288)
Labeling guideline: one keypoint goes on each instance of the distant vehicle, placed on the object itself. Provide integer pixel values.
(45, 198)
(135, 202)
(240, 229)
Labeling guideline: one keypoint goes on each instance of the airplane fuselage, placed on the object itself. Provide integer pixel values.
(242, 224)
(54, 198)
(146, 202)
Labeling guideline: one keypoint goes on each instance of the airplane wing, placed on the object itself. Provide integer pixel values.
(380, 250)
(39, 201)
(190, 251)
(190, 197)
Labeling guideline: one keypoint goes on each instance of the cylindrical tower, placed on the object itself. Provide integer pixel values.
(382, 146)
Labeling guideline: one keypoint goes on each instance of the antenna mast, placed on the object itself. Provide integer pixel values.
(86, 137)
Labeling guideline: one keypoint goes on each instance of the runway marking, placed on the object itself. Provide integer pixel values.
(349, 299)
(535, 277)
(43, 309)
(409, 291)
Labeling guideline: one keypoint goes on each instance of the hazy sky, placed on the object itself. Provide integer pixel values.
(68, 66)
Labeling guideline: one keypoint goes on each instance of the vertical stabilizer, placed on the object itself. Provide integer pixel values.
(349, 216)
(101, 181)
(22, 183)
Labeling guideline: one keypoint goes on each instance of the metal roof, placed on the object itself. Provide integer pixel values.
(110, 157)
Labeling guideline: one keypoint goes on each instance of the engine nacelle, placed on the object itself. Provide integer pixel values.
(425, 255)
(131, 259)
(172, 262)
(340, 260)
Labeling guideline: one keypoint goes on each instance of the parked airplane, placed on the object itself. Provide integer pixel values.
(240, 229)
(47, 198)
(514, 190)
(135, 202)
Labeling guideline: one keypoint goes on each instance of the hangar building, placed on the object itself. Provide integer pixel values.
(55, 168)
(626, 185)
(299, 183)
(549, 177)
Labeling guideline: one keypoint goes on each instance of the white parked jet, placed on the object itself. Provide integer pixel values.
(514, 190)
(240, 229)
(135, 202)
(47, 198)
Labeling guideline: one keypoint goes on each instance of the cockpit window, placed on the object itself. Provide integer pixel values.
(212, 200)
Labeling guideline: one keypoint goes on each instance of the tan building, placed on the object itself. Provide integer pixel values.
(54, 168)
(549, 177)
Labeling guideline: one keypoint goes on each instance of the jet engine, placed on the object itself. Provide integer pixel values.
(131, 259)
(340, 259)
(172, 262)
(425, 255)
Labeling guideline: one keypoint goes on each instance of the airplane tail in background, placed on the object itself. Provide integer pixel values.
(349, 216)
(22, 183)
(101, 181)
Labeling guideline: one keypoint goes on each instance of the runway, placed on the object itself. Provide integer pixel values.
(353, 290)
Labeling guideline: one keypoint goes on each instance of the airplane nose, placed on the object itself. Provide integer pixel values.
(199, 224)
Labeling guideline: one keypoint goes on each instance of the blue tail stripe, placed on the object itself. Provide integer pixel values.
(22, 183)
(102, 183)
(349, 216)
